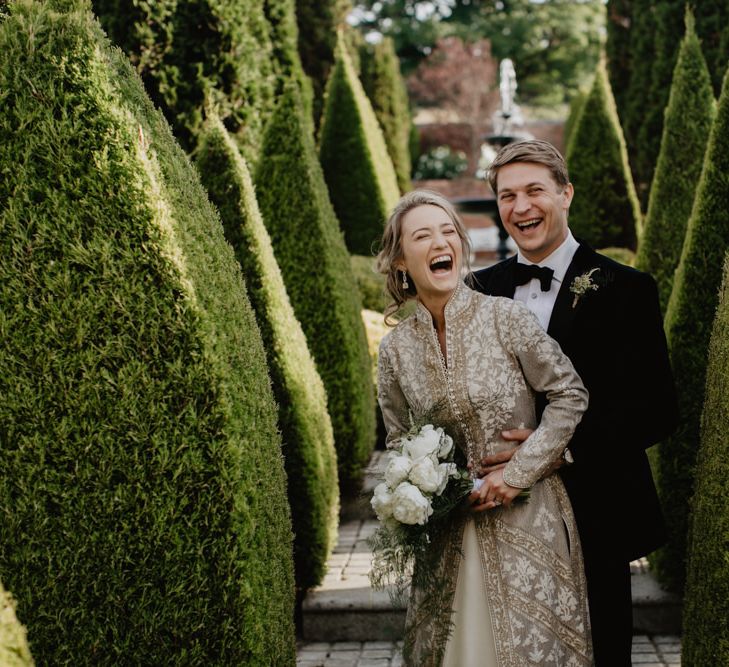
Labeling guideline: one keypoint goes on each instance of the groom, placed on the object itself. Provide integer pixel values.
(607, 319)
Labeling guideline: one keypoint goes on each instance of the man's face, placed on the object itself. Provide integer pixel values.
(533, 208)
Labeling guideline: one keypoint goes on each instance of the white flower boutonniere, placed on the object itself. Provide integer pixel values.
(581, 285)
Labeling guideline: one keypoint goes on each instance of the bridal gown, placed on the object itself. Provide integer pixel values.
(511, 580)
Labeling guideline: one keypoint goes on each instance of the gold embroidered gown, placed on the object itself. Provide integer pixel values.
(514, 590)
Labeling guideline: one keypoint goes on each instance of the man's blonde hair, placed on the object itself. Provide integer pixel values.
(531, 150)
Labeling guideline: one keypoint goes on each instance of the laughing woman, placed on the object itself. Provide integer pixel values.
(514, 590)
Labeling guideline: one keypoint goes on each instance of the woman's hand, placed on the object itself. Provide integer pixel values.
(494, 492)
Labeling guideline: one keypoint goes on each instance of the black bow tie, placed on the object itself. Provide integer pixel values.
(525, 272)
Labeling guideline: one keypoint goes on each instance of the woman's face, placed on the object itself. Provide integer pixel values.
(432, 251)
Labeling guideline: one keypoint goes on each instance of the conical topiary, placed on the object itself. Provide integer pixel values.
(310, 252)
(357, 167)
(385, 88)
(190, 53)
(14, 651)
(308, 442)
(144, 519)
(688, 322)
(685, 133)
(706, 604)
(604, 211)
(577, 104)
(318, 21)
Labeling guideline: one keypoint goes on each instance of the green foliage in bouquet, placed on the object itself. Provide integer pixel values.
(308, 442)
(382, 81)
(686, 129)
(144, 518)
(688, 322)
(233, 55)
(605, 209)
(310, 251)
(14, 651)
(706, 605)
(359, 173)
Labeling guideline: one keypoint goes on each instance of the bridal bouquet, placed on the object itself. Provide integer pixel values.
(422, 485)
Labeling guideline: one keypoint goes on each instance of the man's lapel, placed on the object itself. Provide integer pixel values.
(503, 282)
(563, 313)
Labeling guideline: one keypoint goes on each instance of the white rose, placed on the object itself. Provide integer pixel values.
(382, 502)
(446, 444)
(447, 470)
(409, 505)
(425, 443)
(397, 470)
(425, 475)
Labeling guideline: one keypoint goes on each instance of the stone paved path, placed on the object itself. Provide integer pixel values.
(658, 651)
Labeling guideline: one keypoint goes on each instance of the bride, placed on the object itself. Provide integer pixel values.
(514, 589)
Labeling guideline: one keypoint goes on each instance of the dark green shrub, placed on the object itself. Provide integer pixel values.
(317, 272)
(370, 282)
(359, 173)
(440, 162)
(14, 650)
(577, 104)
(688, 323)
(605, 209)
(685, 133)
(706, 606)
(189, 51)
(617, 51)
(308, 442)
(385, 88)
(143, 519)
(622, 255)
(634, 99)
(318, 21)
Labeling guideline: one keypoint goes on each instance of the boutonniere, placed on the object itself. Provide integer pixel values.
(581, 285)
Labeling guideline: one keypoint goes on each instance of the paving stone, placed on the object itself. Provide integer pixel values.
(346, 646)
(376, 654)
(308, 654)
(373, 663)
(337, 662)
(387, 645)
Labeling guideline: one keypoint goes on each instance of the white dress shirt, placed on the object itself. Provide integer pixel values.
(531, 295)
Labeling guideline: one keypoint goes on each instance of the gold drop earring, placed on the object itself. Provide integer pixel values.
(405, 284)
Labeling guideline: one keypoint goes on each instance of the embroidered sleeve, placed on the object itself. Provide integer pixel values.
(546, 369)
(392, 401)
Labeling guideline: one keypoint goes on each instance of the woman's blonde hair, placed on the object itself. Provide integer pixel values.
(391, 246)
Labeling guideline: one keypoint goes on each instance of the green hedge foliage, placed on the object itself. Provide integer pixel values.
(622, 255)
(190, 53)
(688, 323)
(318, 21)
(14, 651)
(370, 282)
(381, 78)
(357, 167)
(604, 211)
(576, 106)
(315, 266)
(308, 442)
(706, 605)
(686, 129)
(143, 518)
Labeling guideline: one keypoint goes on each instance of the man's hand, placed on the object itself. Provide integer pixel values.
(498, 461)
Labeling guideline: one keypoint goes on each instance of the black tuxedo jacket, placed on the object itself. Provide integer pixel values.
(614, 337)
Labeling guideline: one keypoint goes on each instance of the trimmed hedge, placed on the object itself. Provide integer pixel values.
(318, 21)
(686, 129)
(385, 88)
(188, 51)
(308, 442)
(577, 104)
(14, 651)
(688, 321)
(604, 211)
(706, 605)
(622, 255)
(370, 283)
(143, 518)
(358, 171)
(315, 266)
